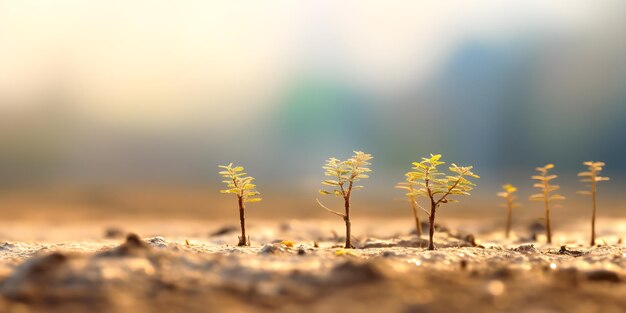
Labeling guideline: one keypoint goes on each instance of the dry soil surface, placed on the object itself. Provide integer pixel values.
(300, 266)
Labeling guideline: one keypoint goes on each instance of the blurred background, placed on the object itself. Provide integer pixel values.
(125, 108)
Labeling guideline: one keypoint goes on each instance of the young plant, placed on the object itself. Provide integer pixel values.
(545, 195)
(409, 185)
(344, 174)
(437, 186)
(592, 176)
(241, 185)
(509, 195)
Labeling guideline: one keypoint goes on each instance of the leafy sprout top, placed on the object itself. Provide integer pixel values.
(430, 183)
(592, 175)
(238, 183)
(545, 186)
(346, 172)
(509, 194)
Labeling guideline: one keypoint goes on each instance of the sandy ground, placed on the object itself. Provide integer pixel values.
(299, 266)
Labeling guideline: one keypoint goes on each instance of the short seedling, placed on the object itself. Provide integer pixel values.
(437, 186)
(345, 174)
(545, 195)
(592, 176)
(509, 195)
(409, 185)
(241, 185)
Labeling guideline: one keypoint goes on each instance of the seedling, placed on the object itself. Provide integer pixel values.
(509, 195)
(437, 186)
(545, 195)
(409, 185)
(241, 185)
(345, 174)
(592, 176)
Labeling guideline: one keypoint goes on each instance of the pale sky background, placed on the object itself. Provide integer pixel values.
(174, 59)
(154, 88)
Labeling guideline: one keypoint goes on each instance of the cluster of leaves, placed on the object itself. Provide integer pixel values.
(409, 186)
(426, 180)
(545, 186)
(509, 195)
(345, 173)
(592, 175)
(238, 183)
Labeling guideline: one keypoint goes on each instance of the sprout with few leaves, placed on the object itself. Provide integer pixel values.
(409, 185)
(437, 186)
(509, 195)
(545, 195)
(344, 174)
(592, 176)
(241, 185)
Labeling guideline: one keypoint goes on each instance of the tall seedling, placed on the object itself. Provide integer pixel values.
(344, 175)
(509, 195)
(546, 193)
(437, 187)
(592, 176)
(240, 185)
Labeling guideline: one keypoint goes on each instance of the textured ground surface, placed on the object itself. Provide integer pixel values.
(299, 266)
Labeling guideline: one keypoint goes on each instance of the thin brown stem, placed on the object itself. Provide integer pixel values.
(433, 208)
(418, 226)
(243, 240)
(509, 203)
(546, 202)
(346, 217)
(593, 215)
(431, 217)
(431, 230)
